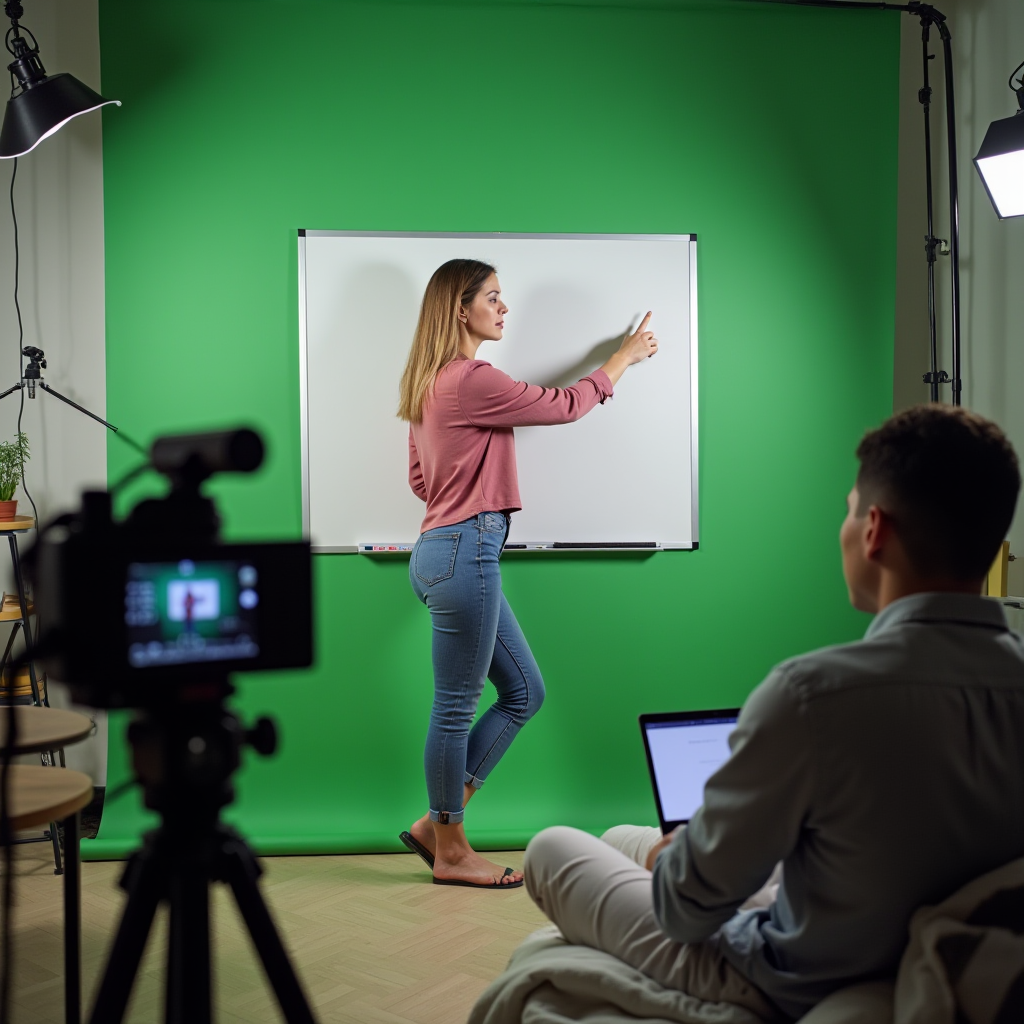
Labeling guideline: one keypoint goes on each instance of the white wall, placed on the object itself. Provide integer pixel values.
(59, 201)
(988, 43)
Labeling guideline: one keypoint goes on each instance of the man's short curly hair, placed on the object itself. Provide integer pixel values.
(948, 479)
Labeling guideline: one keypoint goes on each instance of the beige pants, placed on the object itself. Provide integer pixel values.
(599, 898)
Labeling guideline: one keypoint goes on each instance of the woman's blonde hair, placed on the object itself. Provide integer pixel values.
(436, 341)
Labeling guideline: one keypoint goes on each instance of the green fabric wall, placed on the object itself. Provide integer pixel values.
(770, 132)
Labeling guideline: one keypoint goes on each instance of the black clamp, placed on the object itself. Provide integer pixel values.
(928, 14)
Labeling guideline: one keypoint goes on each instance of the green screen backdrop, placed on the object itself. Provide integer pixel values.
(241, 125)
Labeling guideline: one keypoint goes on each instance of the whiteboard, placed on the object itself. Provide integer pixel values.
(625, 475)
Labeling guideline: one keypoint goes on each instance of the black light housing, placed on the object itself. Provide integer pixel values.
(40, 104)
(1000, 161)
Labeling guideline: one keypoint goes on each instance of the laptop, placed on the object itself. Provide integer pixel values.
(684, 749)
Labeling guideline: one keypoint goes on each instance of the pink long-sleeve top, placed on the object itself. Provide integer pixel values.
(462, 454)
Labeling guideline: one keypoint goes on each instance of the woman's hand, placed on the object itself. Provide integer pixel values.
(640, 345)
(660, 845)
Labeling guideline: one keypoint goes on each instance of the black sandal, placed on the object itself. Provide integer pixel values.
(415, 846)
(483, 885)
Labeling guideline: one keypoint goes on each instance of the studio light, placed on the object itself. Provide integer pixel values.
(1000, 161)
(40, 104)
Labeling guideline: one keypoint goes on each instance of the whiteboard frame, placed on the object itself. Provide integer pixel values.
(694, 504)
(303, 389)
(304, 363)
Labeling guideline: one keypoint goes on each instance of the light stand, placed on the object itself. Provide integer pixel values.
(929, 16)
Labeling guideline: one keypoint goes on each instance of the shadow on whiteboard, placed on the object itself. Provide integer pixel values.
(597, 356)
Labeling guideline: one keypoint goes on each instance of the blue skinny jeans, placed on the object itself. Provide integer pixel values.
(454, 572)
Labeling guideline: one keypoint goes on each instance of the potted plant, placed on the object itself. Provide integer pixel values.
(13, 456)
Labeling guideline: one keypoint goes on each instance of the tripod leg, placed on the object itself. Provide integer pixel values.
(241, 873)
(188, 952)
(142, 881)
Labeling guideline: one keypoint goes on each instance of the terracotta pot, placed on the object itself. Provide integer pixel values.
(8, 509)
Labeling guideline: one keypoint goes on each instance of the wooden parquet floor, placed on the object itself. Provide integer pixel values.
(372, 940)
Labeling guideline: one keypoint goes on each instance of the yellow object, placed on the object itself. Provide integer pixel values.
(997, 574)
(22, 685)
(10, 609)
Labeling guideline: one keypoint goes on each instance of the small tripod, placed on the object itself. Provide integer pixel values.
(31, 378)
(184, 755)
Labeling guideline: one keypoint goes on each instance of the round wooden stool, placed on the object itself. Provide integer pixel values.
(41, 729)
(19, 524)
(39, 795)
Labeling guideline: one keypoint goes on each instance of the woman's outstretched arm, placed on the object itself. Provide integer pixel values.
(491, 398)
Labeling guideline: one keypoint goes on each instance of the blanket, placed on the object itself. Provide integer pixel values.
(964, 965)
(550, 981)
(965, 959)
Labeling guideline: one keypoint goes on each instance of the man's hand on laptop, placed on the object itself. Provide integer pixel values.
(660, 845)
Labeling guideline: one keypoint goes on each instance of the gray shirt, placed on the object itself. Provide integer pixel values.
(884, 774)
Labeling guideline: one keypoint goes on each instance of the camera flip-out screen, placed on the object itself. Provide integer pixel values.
(163, 614)
(186, 612)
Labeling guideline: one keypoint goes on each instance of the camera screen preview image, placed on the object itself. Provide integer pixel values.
(187, 612)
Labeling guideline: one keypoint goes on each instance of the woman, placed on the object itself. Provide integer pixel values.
(461, 413)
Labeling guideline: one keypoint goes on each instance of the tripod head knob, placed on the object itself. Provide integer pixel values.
(262, 737)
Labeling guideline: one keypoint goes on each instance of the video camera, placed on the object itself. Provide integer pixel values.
(132, 611)
(154, 613)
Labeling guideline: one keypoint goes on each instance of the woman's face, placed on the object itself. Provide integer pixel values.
(485, 317)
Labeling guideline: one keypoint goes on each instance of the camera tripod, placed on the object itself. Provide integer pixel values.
(184, 754)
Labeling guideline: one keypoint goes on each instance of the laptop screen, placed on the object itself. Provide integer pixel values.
(683, 751)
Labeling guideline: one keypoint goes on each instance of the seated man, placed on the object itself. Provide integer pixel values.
(883, 774)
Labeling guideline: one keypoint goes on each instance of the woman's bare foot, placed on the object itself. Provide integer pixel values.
(468, 866)
(454, 858)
